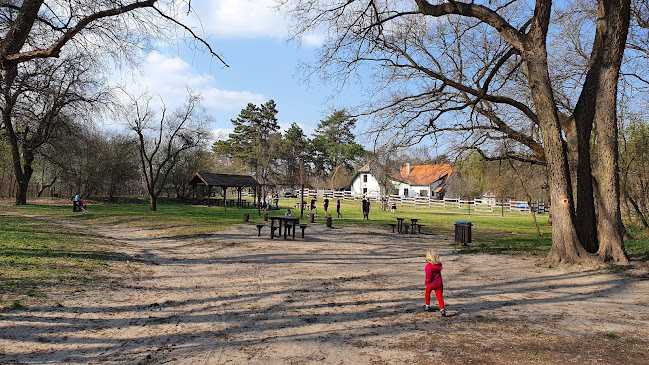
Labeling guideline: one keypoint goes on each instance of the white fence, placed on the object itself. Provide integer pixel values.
(475, 205)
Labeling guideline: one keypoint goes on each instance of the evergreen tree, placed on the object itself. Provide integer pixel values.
(334, 144)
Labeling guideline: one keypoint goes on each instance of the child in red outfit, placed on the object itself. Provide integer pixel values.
(434, 280)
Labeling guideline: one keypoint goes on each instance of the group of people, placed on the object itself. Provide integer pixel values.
(314, 209)
(365, 206)
(267, 201)
(77, 204)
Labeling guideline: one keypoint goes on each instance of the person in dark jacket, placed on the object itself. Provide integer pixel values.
(326, 208)
(338, 208)
(366, 208)
(313, 207)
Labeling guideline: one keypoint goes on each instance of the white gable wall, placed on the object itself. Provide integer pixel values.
(371, 185)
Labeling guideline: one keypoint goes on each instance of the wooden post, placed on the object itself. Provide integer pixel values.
(225, 202)
(302, 203)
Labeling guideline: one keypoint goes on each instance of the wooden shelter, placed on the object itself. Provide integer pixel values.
(224, 181)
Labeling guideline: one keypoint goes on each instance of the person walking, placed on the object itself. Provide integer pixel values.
(433, 281)
(313, 207)
(366, 208)
(338, 208)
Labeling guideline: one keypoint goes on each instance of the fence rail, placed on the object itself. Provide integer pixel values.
(479, 205)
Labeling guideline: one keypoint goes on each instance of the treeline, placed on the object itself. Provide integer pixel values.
(257, 147)
(96, 164)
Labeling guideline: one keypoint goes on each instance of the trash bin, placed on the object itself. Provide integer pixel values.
(329, 222)
(265, 217)
(246, 217)
(463, 232)
(311, 218)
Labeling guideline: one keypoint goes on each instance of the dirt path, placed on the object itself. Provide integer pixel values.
(340, 296)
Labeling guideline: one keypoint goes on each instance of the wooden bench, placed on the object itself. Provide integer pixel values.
(259, 227)
(303, 227)
(272, 231)
(419, 227)
(262, 225)
(289, 229)
(405, 227)
(393, 225)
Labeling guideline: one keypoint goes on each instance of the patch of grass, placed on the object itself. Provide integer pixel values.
(512, 233)
(536, 356)
(612, 335)
(14, 305)
(37, 256)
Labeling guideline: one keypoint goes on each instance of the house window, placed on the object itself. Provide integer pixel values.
(364, 178)
(405, 192)
(423, 192)
(364, 191)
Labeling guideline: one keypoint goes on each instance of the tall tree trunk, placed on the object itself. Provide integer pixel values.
(585, 204)
(615, 15)
(577, 131)
(566, 247)
(153, 202)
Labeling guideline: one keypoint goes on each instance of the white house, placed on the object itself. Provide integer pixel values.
(411, 181)
(364, 183)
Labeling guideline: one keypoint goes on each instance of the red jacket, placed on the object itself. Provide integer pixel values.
(434, 275)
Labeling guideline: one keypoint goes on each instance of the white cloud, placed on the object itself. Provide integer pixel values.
(220, 134)
(171, 77)
(235, 19)
(240, 19)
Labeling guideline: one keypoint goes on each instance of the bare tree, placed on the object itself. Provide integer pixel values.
(41, 28)
(36, 31)
(162, 138)
(41, 101)
(487, 65)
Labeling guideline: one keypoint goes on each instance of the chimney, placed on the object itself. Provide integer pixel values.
(408, 169)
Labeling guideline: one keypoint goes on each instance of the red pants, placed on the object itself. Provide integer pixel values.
(438, 294)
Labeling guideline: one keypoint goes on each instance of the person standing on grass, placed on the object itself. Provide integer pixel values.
(366, 208)
(326, 207)
(393, 206)
(338, 208)
(434, 281)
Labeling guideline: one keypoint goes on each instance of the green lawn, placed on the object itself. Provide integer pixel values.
(37, 254)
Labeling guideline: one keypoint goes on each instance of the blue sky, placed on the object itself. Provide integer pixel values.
(253, 40)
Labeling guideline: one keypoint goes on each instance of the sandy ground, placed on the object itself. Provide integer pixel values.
(339, 296)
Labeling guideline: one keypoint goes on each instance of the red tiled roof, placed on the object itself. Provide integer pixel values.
(425, 174)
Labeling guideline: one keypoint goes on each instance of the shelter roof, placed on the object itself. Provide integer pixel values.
(209, 179)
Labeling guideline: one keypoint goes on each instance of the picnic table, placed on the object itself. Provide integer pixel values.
(399, 224)
(408, 226)
(219, 202)
(244, 203)
(413, 224)
(285, 221)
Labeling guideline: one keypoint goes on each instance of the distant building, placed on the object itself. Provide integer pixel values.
(411, 181)
(365, 183)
